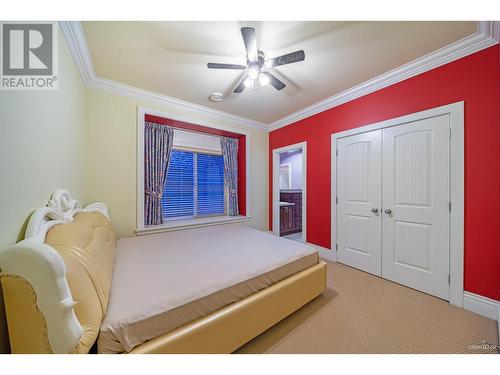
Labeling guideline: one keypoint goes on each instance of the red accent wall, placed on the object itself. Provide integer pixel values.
(474, 79)
(242, 165)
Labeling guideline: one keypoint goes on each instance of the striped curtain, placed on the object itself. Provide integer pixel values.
(230, 155)
(158, 140)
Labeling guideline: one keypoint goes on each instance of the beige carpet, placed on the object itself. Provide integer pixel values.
(362, 313)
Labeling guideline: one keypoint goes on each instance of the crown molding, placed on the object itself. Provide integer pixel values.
(490, 29)
(75, 36)
(486, 36)
(73, 32)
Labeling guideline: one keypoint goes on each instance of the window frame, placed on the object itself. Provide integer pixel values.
(183, 223)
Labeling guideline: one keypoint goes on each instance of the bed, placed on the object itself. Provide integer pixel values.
(70, 284)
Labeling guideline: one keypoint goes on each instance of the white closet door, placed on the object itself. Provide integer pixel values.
(359, 195)
(415, 235)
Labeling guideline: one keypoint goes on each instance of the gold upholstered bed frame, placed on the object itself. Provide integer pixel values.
(56, 285)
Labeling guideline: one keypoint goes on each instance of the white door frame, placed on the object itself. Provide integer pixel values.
(456, 117)
(276, 186)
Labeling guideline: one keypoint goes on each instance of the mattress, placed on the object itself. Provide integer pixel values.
(163, 281)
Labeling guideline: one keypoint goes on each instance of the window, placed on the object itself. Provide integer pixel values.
(178, 193)
(210, 187)
(196, 196)
(194, 186)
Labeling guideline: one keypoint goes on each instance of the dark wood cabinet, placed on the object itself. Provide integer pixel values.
(286, 220)
(291, 216)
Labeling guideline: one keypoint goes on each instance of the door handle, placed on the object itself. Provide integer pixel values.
(388, 211)
(375, 210)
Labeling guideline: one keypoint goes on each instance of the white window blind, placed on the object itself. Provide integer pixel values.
(194, 186)
(210, 184)
(178, 193)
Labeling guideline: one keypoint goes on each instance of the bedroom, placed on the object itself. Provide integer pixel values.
(294, 187)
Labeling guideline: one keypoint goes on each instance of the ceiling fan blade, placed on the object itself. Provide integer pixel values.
(286, 59)
(241, 86)
(275, 82)
(248, 34)
(225, 66)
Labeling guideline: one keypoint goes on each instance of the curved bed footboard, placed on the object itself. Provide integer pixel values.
(38, 302)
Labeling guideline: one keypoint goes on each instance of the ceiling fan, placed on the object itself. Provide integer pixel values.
(256, 74)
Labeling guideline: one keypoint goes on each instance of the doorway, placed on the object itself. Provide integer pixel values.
(289, 192)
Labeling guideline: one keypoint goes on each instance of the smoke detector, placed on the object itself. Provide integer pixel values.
(216, 97)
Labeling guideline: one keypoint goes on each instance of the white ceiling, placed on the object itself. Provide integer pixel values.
(170, 58)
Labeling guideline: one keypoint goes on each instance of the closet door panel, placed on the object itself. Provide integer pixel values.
(359, 201)
(415, 224)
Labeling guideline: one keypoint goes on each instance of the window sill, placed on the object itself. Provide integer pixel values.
(191, 223)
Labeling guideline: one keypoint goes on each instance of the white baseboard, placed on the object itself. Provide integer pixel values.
(325, 253)
(482, 305)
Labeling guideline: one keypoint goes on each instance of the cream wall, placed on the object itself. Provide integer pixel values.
(42, 147)
(111, 157)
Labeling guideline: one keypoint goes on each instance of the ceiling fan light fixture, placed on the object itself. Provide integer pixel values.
(253, 72)
(263, 79)
(252, 57)
(248, 82)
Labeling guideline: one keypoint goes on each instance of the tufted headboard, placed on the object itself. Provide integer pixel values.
(56, 281)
